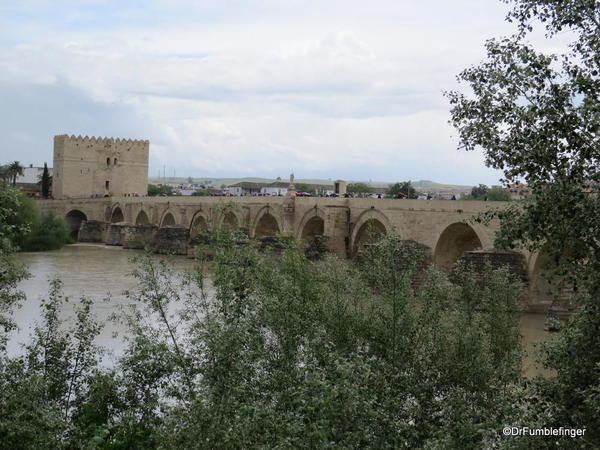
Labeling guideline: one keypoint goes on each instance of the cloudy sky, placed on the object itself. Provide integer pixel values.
(324, 88)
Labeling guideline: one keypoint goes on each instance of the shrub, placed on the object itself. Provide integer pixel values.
(48, 232)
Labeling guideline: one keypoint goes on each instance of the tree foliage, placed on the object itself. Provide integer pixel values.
(479, 192)
(48, 232)
(46, 182)
(536, 117)
(13, 171)
(401, 190)
(161, 190)
(27, 228)
(482, 192)
(358, 188)
(278, 353)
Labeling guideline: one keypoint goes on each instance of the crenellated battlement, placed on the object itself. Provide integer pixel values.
(101, 140)
(91, 166)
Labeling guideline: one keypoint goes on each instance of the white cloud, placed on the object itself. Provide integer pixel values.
(339, 88)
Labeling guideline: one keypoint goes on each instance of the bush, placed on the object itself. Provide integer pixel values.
(48, 232)
(283, 353)
(290, 353)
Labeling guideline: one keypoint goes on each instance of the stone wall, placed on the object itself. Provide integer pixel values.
(87, 167)
(138, 236)
(514, 261)
(92, 231)
(172, 239)
(114, 234)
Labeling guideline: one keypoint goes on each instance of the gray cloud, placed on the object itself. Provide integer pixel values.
(331, 89)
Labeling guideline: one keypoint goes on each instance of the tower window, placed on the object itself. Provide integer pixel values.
(115, 162)
(106, 183)
(108, 161)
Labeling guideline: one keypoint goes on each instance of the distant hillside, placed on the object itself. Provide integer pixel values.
(229, 181)
(420, 185)
(428, 185)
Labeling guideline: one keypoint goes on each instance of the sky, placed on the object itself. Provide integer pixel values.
(323, 88)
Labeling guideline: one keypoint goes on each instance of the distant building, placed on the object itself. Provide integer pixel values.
(99, 167)
(276, 188)
(31, 180)
(32, 174)
(245, 188)
(272, 188)
(449, 194)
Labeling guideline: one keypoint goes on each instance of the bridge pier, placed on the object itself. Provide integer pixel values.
(114, 234)
(138, 236)
(92, 231)
(172, 239)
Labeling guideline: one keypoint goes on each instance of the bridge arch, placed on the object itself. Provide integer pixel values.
(368, 228)
(456, 239)
(142, 218)
(198, 224)
(229, 220)
(167, 219)
(73, 220)
(546, 286)
(266, 223)
(312, 224)
(117, 215)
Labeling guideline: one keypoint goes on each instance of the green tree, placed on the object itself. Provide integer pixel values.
(482, 192)
(11, 274)
(4, 174)
(340, 356)
(404, 190)
(161, 190)
(46, 182)
(48, 232)
(38, 231)
(535, 115)
(358, 188)
(499, 195)
(479, 192)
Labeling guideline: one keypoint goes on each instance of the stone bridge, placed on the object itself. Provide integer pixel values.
(441, 225)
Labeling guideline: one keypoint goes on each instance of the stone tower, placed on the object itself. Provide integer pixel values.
(87, 167)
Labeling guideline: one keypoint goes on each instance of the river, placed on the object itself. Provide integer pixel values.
(102, 273)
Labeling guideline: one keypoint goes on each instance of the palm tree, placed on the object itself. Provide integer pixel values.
(15, 169)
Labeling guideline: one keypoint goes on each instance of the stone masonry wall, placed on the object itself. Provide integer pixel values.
(172, 239)
(513, 260)
(87, 167)
(92, 231)
(138, 236)
(114, 234)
